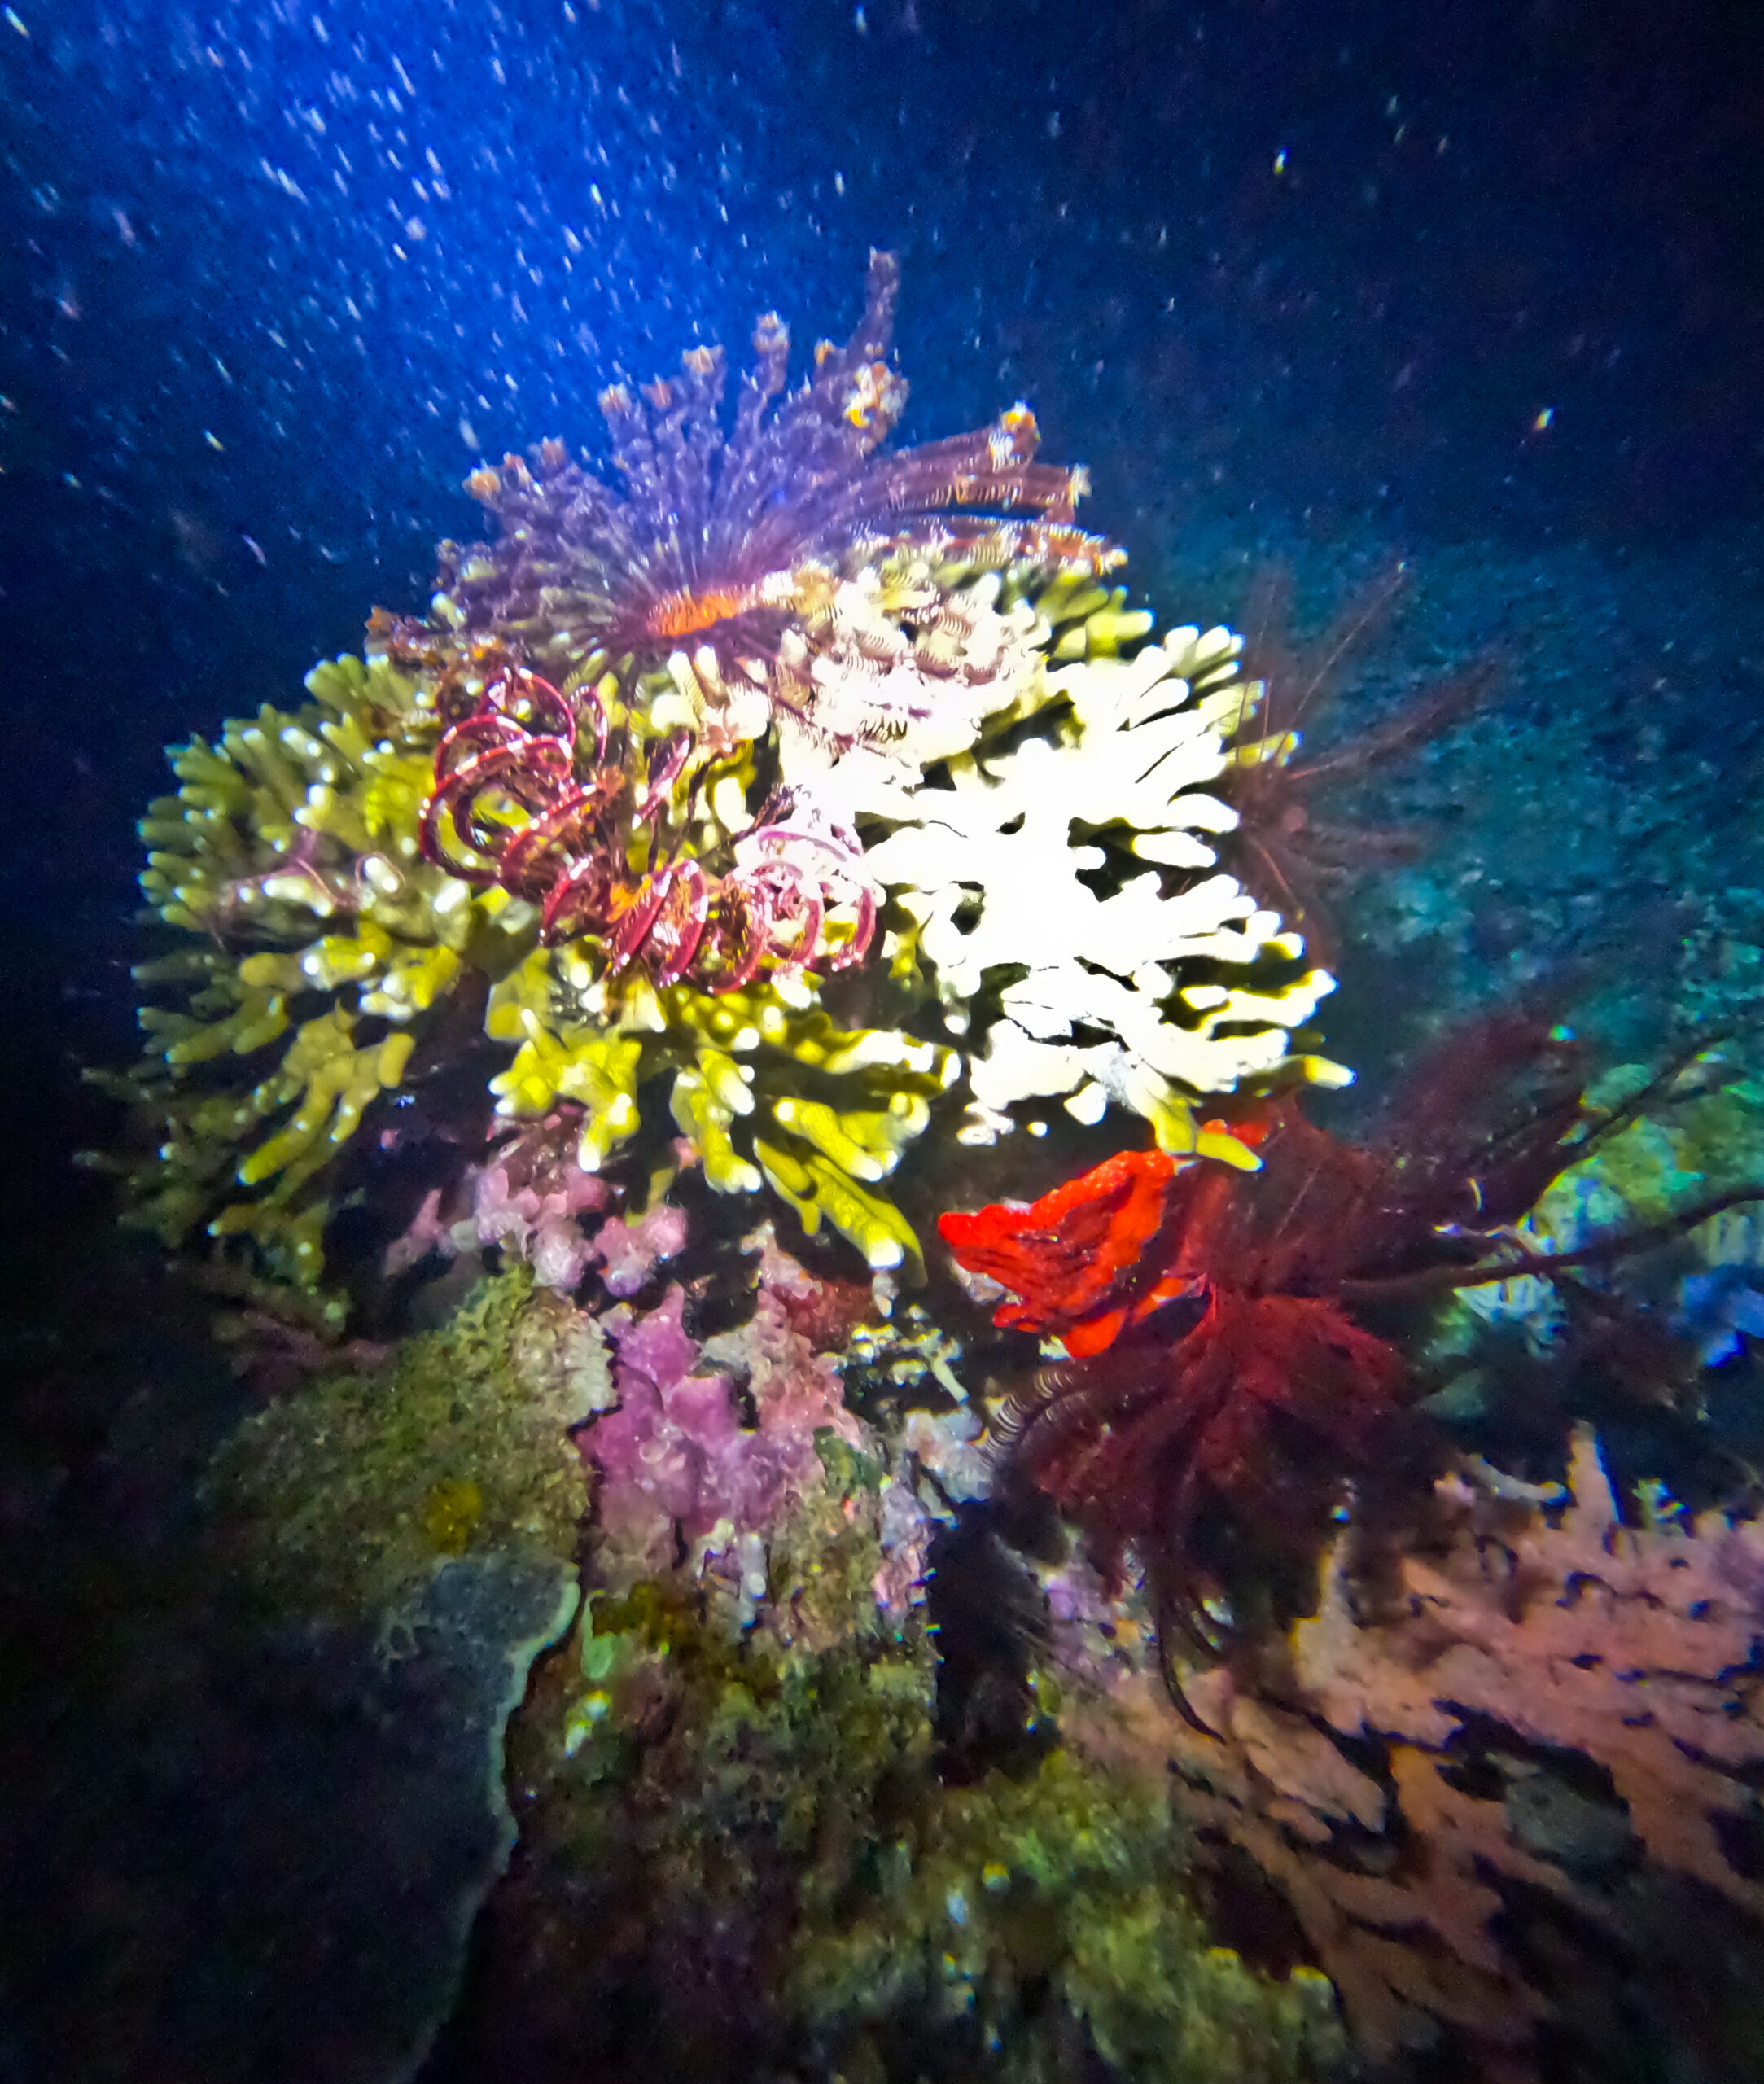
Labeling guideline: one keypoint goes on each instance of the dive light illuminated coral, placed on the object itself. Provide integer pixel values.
(1221, 1373)
(1192, 985)
(679, 1467)
(661, 768)
(1487, 1772)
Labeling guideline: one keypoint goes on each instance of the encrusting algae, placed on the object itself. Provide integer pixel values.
(345, 1495)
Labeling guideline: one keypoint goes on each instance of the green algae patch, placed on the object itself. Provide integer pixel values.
(780, 1785)
(345, 1495)
(417, 1525)
(1015, 1920)
(1069, 1880)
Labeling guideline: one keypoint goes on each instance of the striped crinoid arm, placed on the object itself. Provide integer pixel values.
(767, 917)
(533, 860)
(802, 877)
(516, 752)
(581, 897)
(992, 466)
(737, 937)
(454, 814)
(662, 923)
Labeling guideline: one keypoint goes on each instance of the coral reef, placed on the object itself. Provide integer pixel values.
(530, 1199)
(404, 1540)
(289, 853)
(766, 1867)
(1220, 1364)
(992, 868)
(668, 779)
(677, 1465)
(766, 820)
(1074, 1876)
(735, 1760)
(1527, 1716)
(731, 1761)
(763, 1851)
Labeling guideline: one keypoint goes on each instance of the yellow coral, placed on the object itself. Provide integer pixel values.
(330, 943)
(596, 1066)
(816, 1187)
(772, 1043)
(332, 1080)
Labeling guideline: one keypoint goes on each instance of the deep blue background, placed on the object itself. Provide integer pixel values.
(276, 275)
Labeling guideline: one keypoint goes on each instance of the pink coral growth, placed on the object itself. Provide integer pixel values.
(677, 1465)
(628, 1248)
(537, 1218)
(427, 1232)
(528, 1200)
(1420, 1763)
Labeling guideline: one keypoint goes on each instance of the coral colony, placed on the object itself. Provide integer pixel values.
(772, 830)
(658, 769)
(1217, 1352)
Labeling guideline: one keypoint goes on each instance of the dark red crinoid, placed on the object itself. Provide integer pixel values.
(1214, 1371)
(1286, 852)
(508, 805)
(1224, 1376)
(703, 543)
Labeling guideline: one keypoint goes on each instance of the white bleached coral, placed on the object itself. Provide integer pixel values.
(898, 660)
(1018, 869)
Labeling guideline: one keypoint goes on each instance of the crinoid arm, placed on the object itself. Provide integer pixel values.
(719, 538)
(768, 730)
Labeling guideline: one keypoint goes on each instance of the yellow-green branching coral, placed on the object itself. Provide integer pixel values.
(291, 847)
(646, 798)
(328, 944)
(329, 941)
(768, 1088)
